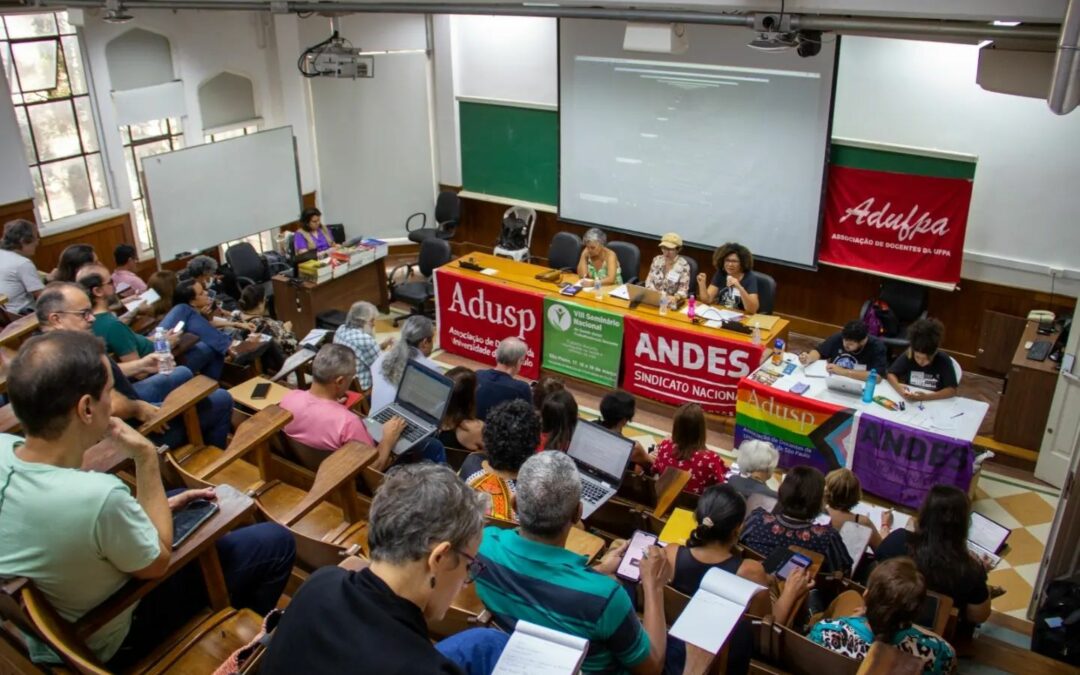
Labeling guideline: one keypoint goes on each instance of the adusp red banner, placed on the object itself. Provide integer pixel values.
(474, 316)
(899, 224)
(667, 363)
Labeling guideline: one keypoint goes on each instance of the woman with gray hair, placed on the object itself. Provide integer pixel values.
(19, 279)
(416, 341)
(202, 269)
(756, 461)
(358, 334)
(597, 260)
(424, 530)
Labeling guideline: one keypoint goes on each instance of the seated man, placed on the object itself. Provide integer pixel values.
(923, 372)
(122, 342)
(495, 385)
(124, 255)
(321, 421)
(852, 352)
(80, 536)
(19, 279)
(528, 574)
(65, 306)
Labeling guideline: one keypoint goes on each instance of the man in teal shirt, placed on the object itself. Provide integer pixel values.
(120, 340)
(528, 574)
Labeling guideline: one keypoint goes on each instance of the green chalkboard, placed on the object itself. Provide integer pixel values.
(507, 151)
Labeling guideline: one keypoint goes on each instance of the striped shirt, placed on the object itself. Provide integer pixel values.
(364, 346)
(553, 587)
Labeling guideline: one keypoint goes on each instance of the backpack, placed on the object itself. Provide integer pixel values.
(514, 234)
(1062, 601)
(881, 320)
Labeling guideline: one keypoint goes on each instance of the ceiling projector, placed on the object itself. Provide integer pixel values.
(335, 57)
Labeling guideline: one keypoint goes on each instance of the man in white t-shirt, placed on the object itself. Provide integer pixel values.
(19, 278)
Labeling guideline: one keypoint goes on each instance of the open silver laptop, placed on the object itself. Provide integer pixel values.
(601, 457)
(639, 295)
(844, 385)
(421, 400)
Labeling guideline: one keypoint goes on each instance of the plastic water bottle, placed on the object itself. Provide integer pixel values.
(597, 290)
(691, 309)
(755, 337)
(778, 352)
(663, 303)
(163, 352)
(868, 387)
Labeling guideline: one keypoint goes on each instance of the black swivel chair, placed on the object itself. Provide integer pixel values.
(908, 302)
(693, 273)
(434, 252)
(249, 267)
(564, 251)
(447, 218)
(766, 292)
(629, 257)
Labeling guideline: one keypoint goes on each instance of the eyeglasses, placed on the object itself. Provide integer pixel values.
(473, 568)
(86, 314)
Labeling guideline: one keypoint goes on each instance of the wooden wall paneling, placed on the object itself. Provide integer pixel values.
(16, 210)
(998, 336)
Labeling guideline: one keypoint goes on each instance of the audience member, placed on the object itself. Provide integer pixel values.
(669, 271)
(80, 536)
(756, 462)
(495, 385)
(65, 306)
(202, 269)
(358, 334)
(939, 547)
(801, 498)
(424, 530)
(19, 278)
(460, 428)
(924, 372)
(617, 409)
(312, 234)
(122, 342)
(192, 306)
(686, 450)
(71, 259)
(164, 283)
(416, 341)
(558, 419)
(124, 272)
(598, 261)
(852, 352)
(528, 574)
(252, 310)
(842, 493)
(511, 434)
(543, 388)
(894, 594)
(734, 284)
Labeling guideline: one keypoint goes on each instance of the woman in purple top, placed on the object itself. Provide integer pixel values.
(312, 233)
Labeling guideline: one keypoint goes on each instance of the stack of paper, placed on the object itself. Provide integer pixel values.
(534, 649)
(714, 610)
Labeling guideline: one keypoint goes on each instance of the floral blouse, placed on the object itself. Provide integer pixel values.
(852, 637)
(765, 531)
(675, 282)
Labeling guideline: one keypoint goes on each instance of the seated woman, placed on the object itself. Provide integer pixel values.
(939, 547)
(252, 310)
(191, 305)
(756, 461)
(801, 497)
(543, 388)
(511, 434)
(894, 594)
(312, 235)
(597, 260)
(558, 419)
(734, 285)
(686, 450)
(72, 259)
(358, 334)
(162, 282)
(923, 372)
(460, 428)
(669, 271)
(203, 269)
(424, 532)
(617, 408)
(416, 341)
(843, 491)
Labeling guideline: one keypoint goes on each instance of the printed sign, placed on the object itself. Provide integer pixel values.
(475, 315)
(582, 342)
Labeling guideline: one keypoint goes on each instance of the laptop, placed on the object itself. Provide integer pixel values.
(844, 385)
(639, 295)
(421, 400)
(601, 457)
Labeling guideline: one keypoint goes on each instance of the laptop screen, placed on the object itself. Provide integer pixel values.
(595, 446)
(424, 390)
(987, 533)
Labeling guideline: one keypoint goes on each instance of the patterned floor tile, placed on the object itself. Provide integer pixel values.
(1030, 573)
(1027, 507)
(1040, 532)
(1017, 590)
(1023, 548)
(996, 512)
(995, 489)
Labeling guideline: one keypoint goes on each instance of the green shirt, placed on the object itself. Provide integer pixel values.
(553, 587)
(77, 535)
(119, 338)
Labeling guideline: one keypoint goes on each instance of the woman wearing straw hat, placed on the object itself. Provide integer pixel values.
(669, 271)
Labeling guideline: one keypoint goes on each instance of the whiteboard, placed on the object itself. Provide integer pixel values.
(202, 196)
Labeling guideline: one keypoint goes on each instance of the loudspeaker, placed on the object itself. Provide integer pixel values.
(657, 38)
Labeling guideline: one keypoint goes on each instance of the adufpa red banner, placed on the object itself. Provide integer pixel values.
(475, 315)
(897, 224)
(667, 363)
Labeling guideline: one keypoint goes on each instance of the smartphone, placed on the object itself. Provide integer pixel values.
(178, 328)
(796, 560)
(260, 390)
(189, 518)
(800, 388)
(630, 567)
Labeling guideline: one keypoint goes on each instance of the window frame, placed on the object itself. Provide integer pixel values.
(174, 136)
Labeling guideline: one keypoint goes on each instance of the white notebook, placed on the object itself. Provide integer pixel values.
(536, 649)
(874, 513)
(714, 610)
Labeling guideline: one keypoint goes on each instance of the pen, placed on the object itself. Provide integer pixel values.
(957, 415)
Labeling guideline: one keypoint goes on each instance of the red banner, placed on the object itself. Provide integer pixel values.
(664, 362)
(898, 224)
(474, 316)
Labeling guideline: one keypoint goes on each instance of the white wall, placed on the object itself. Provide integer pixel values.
(506, 57)
(15, 184)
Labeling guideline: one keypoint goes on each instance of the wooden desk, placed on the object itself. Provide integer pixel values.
(241, 393)
(302, 302)
(17, 330)
(1029, 390)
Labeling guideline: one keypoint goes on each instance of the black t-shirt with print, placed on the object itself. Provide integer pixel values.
(749, 282)
(871, 357)
(938, 375)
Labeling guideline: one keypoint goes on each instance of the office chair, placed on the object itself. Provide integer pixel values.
(693, 272)
(528, 216)
(447, 218)
(629, 256)
(434, 252)
(909, 303)
(564, 251)
(766, 292)
(251, 268)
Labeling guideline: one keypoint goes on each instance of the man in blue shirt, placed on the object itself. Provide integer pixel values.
(495, 385)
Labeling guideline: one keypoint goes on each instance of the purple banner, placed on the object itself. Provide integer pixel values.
(902, 463)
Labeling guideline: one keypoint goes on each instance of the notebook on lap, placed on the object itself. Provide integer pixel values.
(601, 457)
(421, 400)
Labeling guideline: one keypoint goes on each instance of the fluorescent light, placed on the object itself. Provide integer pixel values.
(1006, 23)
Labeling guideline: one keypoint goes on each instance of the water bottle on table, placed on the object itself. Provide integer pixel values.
(663, 303)
(166, 364)
(597, 290)
(868, 388)
(778, 352)
(691, 307)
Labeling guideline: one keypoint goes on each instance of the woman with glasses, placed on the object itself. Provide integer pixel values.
(734, 285)
(424, 531)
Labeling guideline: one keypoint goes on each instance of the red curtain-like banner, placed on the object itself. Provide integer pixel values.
(897, 224)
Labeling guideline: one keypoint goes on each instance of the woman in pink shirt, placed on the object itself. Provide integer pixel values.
(124, 254)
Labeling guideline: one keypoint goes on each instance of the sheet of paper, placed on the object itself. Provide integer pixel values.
(620, 292)
(874, 514)
(314, 337)
(714, 610)
(490, 271)
(536, 649)
(730, 586)
(856, 538)
(816, 369)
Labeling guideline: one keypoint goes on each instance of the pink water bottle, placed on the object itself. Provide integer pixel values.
(690, 307)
